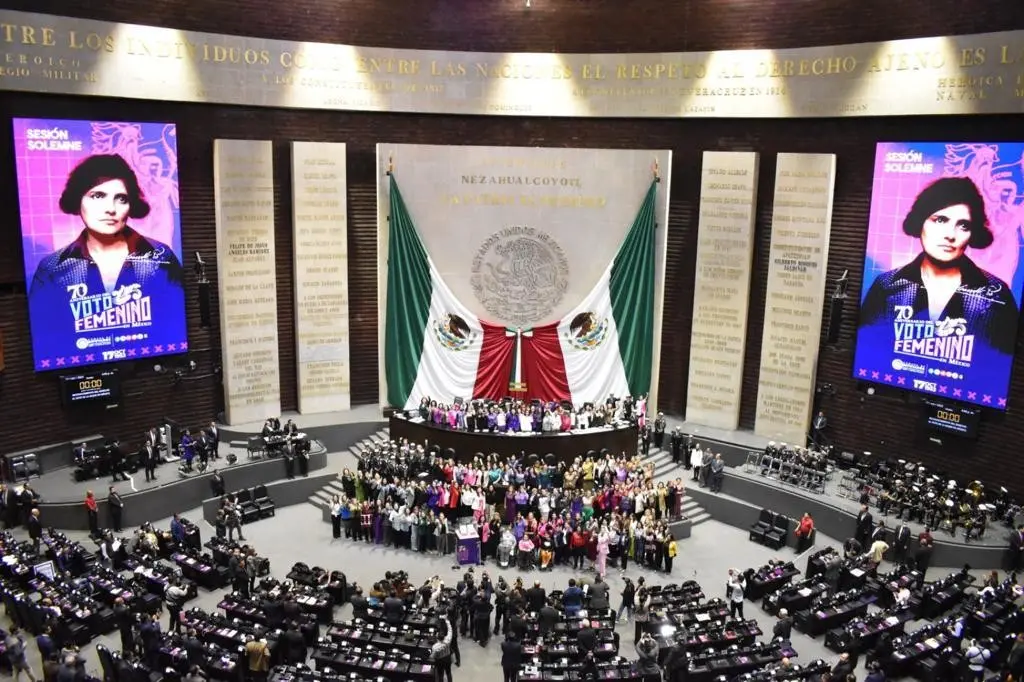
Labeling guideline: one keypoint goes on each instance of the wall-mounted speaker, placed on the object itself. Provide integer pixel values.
(204, 304)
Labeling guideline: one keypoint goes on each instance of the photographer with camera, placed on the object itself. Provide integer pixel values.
(734, 589)
(647, 651)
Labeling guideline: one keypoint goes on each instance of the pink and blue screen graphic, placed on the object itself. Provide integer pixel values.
(113, 293)
(963, 351)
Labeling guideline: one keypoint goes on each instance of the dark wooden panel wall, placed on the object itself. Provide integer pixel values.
(30, 401)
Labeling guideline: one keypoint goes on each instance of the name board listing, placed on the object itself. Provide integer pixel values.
(721, 289)
(248, 283)
(796, 288)
(321, 275)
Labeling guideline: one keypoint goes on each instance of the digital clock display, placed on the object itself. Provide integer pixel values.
(959, 420)
(101, 387)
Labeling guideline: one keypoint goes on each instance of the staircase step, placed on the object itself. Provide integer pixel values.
(384, 436)
(689, 503)
(663, 468)
(317, 501)
(699, 518)
(334, 488)
(323, 496)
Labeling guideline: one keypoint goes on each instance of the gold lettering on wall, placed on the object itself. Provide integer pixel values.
(798, 259)
(247, 279)
(320, 257)
(868, 79)
(725, 245)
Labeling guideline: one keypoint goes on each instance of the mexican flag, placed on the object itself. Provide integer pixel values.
(606, 344)
(435, 347)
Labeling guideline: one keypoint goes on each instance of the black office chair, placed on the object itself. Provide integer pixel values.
(262, 500)
(32, 466)
(18, 468)
(776, 537)
(108, 663)
(250, 512)
(765, 521)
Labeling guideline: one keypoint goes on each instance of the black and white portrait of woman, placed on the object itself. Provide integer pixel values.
(942, 284)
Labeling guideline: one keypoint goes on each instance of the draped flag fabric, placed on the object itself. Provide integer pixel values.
(435, 347)
(607, 341)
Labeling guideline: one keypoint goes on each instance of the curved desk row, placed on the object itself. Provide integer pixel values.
(176, 495)
(564, 446)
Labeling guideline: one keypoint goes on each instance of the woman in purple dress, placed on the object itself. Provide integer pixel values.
(378, 525)
(510, 505)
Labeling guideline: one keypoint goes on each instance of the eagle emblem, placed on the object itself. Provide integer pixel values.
(453, 332)
(587, 331)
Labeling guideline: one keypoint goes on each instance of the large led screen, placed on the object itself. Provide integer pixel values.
(943, 272)
(100, 225)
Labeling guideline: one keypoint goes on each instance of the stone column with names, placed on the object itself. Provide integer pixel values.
(798, 260)
(320, 255)
(725, 246)
(247, 279)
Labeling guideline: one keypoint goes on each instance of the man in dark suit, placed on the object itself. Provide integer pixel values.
(548, 618)
(78, 454)
(923, 557)
(783, 626)
(676, 443)
(865, 524)
(659, 430)
(393, 610)
(511, 658)
(879, 533)
(116, 506)
(213, 433)
(117, 463)
(9, 500)
(586, 638)
(645, 439)
(150, 458)
(901, 543)
(217, 484)
(27, 502)
(1017, 549)
(536, 597)
(35, 528)
(124, 619)
(290, 428)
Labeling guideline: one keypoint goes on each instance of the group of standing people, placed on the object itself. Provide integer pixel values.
(520, 416)
(115, 507)
(586, 511)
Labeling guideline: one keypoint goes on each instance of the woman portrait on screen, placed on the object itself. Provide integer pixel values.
(108, 256)
(942, 284)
